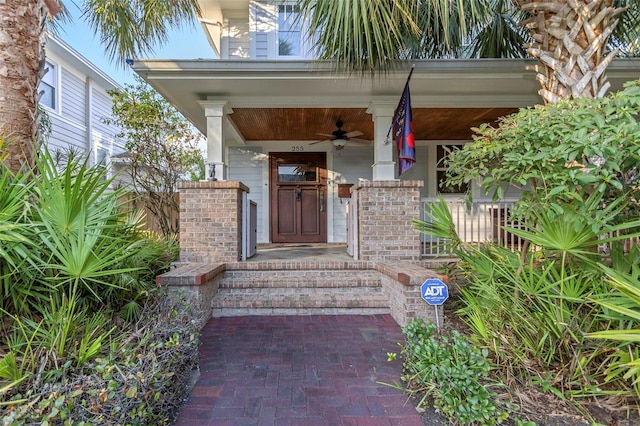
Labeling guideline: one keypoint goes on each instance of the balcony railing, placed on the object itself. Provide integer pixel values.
(484, 222)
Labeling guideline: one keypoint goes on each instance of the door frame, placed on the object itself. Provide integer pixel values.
(321, 182)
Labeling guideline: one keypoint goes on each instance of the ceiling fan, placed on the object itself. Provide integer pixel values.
(339, 137)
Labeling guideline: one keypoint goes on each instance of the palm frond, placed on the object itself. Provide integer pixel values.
(129, 29)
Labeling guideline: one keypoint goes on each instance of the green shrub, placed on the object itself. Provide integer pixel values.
(135, 376)
(451, 372)
(77, 346)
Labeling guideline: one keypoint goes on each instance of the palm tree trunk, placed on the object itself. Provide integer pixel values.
(570, 40)
(21, 56)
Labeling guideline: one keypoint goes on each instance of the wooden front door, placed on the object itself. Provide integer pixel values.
(298, 197)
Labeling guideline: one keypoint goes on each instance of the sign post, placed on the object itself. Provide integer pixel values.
(434, 292)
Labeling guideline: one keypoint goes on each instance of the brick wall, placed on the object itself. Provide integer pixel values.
(211, 221)
(401, 283)
(385, 229)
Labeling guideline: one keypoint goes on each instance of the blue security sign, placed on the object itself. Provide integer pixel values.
(434, 291)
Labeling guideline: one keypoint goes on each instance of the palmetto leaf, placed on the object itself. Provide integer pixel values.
(626, 303)
(79, 216)
(439, 222)
(570, 232)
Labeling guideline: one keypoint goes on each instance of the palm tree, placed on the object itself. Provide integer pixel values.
(127, 29)
(570, 43)
(569, 39)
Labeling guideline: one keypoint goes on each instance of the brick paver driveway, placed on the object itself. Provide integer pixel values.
(299, 370)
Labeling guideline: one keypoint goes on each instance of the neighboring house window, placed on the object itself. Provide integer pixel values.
(289, 34)
(102, 157)
(442, 151)
(48, 86)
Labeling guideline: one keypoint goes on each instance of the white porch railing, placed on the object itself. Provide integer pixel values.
(483, 223)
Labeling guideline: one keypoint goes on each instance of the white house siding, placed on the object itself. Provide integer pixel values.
(103, 136)
(349, 165)
(65, 135)
(263, 24)
(262, 46)
(68, 126)
(238, 38)
(73, 105)
(248, 165)
(82, 103)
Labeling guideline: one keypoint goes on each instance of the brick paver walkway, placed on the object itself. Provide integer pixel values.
(299, 370)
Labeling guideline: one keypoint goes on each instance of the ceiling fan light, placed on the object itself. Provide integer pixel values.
(339, 142)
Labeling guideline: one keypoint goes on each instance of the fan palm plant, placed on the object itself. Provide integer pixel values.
(571, 40)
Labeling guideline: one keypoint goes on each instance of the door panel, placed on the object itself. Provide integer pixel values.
(309, 222)
(286, 206)
(298, 186)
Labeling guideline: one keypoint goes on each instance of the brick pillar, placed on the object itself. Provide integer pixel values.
(385, 229)
(211, 221)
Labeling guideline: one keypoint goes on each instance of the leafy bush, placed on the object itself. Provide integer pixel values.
(76, 271)
(136, 376)
(531, 310)
(539, 311)
(557, 151)
(451, 372)
(68, 233)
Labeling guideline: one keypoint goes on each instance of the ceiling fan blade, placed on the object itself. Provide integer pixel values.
(320, 141)
(325, 134)
(354, 134)
(360, 141)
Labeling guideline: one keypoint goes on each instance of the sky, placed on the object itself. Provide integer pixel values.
(188, 43)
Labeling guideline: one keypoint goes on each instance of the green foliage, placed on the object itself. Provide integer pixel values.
(622, 307)
(136, 376)
(74, 267)
(133, 29)
(530, 316)
(162, 148)
(558, 152)
(65, 234)
(450, 371)
(532, 310)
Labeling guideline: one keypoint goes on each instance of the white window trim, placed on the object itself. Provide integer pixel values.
(57, 98)
(302, 29)
(432, 184)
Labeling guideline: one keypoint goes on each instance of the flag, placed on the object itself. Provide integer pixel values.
(403, 132)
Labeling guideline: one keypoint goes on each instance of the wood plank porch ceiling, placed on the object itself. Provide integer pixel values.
(292, 124)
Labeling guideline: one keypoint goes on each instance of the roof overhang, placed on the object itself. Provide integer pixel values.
(445, 85)
(212, 15)
(60, 48)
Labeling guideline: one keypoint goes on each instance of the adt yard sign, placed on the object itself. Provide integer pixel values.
(434, 291)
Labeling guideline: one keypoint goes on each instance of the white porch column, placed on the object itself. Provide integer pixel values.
(383, 164)
(215, 111)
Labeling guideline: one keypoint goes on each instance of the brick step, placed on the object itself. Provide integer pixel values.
(305, 291)
(311, 300)
(338, 279)
(362, 291)
(305, 301)
(241, 312)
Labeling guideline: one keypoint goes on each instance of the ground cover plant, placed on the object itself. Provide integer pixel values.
(450, 373)
(561, 316)
(85, 337)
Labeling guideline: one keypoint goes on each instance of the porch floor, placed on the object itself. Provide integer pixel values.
(308, 252)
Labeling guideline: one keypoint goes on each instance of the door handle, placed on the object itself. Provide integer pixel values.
(298, 195)
(321, 201)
